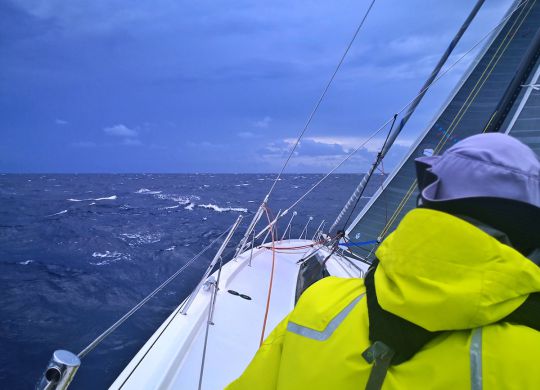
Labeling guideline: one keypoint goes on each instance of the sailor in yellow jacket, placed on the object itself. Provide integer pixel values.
(453, 302)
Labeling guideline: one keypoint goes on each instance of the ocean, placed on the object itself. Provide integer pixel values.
(78, 251)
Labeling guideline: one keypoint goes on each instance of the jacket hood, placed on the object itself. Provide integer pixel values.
(443, 273)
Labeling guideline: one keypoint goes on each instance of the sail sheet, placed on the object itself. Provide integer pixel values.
(467, 112)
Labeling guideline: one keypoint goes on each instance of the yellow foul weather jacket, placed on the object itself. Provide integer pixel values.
(436, 271)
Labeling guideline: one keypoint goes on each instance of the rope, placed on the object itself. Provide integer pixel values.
(317, 105)
(113, 327)
(271, 278)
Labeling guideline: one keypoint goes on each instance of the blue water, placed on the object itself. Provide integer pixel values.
(78, 251)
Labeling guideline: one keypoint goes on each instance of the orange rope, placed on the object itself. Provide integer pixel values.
(271, 277)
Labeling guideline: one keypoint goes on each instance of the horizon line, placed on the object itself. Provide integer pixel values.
(182, 173)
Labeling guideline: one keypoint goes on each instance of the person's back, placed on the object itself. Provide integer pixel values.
(451, 302)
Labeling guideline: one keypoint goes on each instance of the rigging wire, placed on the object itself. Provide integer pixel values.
(113, 327)
(321, 98)
(375, 164)
(372, 135)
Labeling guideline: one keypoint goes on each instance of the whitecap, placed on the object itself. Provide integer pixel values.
(134, 239)
(58, 213)
(112, 197)
(190, 206)
(26, 262)
(169, 207)
(147, 191)
(171, 248)
(222, 209)
(109, 257)
(251, 201)
(180, 199)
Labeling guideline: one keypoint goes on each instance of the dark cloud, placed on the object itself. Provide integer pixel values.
(196, 81)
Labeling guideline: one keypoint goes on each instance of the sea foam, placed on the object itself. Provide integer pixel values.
(112, 197)
(109, 257)
(222, 209)
(58, 213)
(147, 191)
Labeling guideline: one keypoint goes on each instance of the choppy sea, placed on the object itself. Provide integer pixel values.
(78, 251)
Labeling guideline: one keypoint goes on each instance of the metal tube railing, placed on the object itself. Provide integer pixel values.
(251, 227)
(318, 230)
(305, 228)
(211, 266)
(289, 225)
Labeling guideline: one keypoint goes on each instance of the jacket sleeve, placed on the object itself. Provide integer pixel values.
(262, 373)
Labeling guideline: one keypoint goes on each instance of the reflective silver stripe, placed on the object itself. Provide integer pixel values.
(476, 359)
(330, 328)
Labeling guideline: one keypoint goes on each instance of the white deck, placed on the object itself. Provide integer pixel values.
(172, 357)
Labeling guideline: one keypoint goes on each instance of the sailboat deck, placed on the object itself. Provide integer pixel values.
(172, 357)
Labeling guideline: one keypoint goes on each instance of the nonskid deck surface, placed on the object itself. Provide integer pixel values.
(172, 357)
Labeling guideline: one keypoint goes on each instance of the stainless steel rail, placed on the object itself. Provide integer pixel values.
(305, 228)
(289, 226)
(214, 261)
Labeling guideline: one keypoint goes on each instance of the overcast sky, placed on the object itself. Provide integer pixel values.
(215, 85)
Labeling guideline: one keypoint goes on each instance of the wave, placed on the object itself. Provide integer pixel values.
(112, 197)
(26, 262)
(58, 213)
(169, 207)
(109, 257)
(180, 199)
(222, 209)
(147, 191)
(134, 239)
